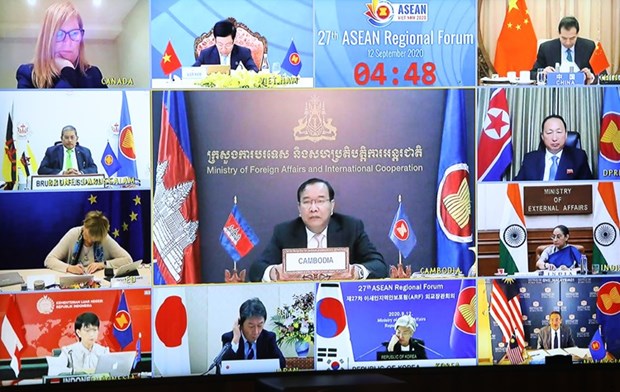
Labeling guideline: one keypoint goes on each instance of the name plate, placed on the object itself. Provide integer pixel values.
(566, 79)
(557, 200)
(396, 356)
(128, 281)
(559, 272)
(67, 182)
(193, 73)
(315, 264)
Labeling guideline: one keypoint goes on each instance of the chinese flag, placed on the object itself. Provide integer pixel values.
(516, 45)
(599, 61)
(169, 61)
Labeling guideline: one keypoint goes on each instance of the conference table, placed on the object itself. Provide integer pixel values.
(144, 278)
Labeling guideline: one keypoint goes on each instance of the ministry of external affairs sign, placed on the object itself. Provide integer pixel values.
(557, 200)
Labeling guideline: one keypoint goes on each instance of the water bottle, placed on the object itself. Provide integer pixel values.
(265, 65)
(584, 265)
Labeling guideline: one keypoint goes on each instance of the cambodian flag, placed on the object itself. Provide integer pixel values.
(176, 243)
(126, 144)
(122, 330)
(495, 147)
(454, 226)
(401, 232)
(237, 237)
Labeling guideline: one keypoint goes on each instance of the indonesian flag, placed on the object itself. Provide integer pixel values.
(171, 340)
(606, 249)
(13, 335)
(495, 147)
(512, 233)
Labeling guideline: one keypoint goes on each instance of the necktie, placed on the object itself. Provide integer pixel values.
(569, 55)
(224, 60)
(68, 160)
(556, 340)
(250, 353)
(319, 240)
(554, 168)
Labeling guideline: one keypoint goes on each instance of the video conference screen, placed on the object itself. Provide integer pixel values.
(208, 188)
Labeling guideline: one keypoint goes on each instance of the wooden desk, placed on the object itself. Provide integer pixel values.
(143, 270)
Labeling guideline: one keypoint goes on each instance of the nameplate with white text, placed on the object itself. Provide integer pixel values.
(315, 264)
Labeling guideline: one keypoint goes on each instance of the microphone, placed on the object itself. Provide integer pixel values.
(218, 359)
(70, 353)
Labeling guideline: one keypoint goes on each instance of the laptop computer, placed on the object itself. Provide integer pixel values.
(116, 364)
(240, 366)
(10, 279)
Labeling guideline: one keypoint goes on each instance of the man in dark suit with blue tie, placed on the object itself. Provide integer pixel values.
(555, 335)
(248, 338)
(67, 157)
(224, 51)
(556, 161)
(568, 49)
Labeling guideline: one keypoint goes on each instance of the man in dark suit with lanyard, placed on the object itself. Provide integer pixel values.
(224, 51)
(318, 226)
(556, 161)
(568, 49)
(68, 157)
(248, 338)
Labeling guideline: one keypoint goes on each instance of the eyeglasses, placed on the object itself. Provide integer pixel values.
(227, 45)
(75, 35)
(319, 203)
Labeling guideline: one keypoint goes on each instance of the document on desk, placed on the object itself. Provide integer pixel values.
(578, 352)
(557, 351)
(537, 353)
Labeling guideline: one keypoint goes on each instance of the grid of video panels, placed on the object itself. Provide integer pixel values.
(430, 121)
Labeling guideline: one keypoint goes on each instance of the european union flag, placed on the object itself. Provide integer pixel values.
(126, 144)
(401, 233)
(122, 330)
(597, 346)
(109, 160)
(292, 60)
(237, 237)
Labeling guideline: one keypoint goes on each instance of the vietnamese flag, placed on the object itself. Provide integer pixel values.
(169, 61)
(598, 60)
(516, 45)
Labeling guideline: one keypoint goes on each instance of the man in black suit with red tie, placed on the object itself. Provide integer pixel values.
(567, 49)
(556, 161)
(248, 338)
(67, 157)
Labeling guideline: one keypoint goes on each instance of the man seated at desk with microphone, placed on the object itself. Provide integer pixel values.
(248, 338)
(83, 355)
(555, 335)
(68, 158)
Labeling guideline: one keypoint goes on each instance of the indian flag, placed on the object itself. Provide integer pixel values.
(512, 234)
(605, 227)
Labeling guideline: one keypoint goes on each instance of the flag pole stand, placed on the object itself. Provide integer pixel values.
(234, 276)
(400, 271)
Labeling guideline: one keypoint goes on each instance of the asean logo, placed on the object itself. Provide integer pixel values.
(608, 301)
(126, 143)
(108, 159)
(465, 316)
(379, 14)
(401, 230)
(610, 137)
(453, 204)
(595, 345)
(122, 320)
(294, 58)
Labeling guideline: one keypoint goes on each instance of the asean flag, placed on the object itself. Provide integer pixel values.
(126, 144)
(609, 158)
(122, 323)
(401, 233)
(463, 333)
(292, 60)
(495, 146)
(608, 315)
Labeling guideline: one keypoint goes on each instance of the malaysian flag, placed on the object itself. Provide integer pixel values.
(506, 310)
(514, 353)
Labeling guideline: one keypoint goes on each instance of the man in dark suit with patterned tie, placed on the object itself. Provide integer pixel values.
(555, 335)
(225, 51)
(248, 338)
(68, 157)
(556, 161)
(568, 49)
